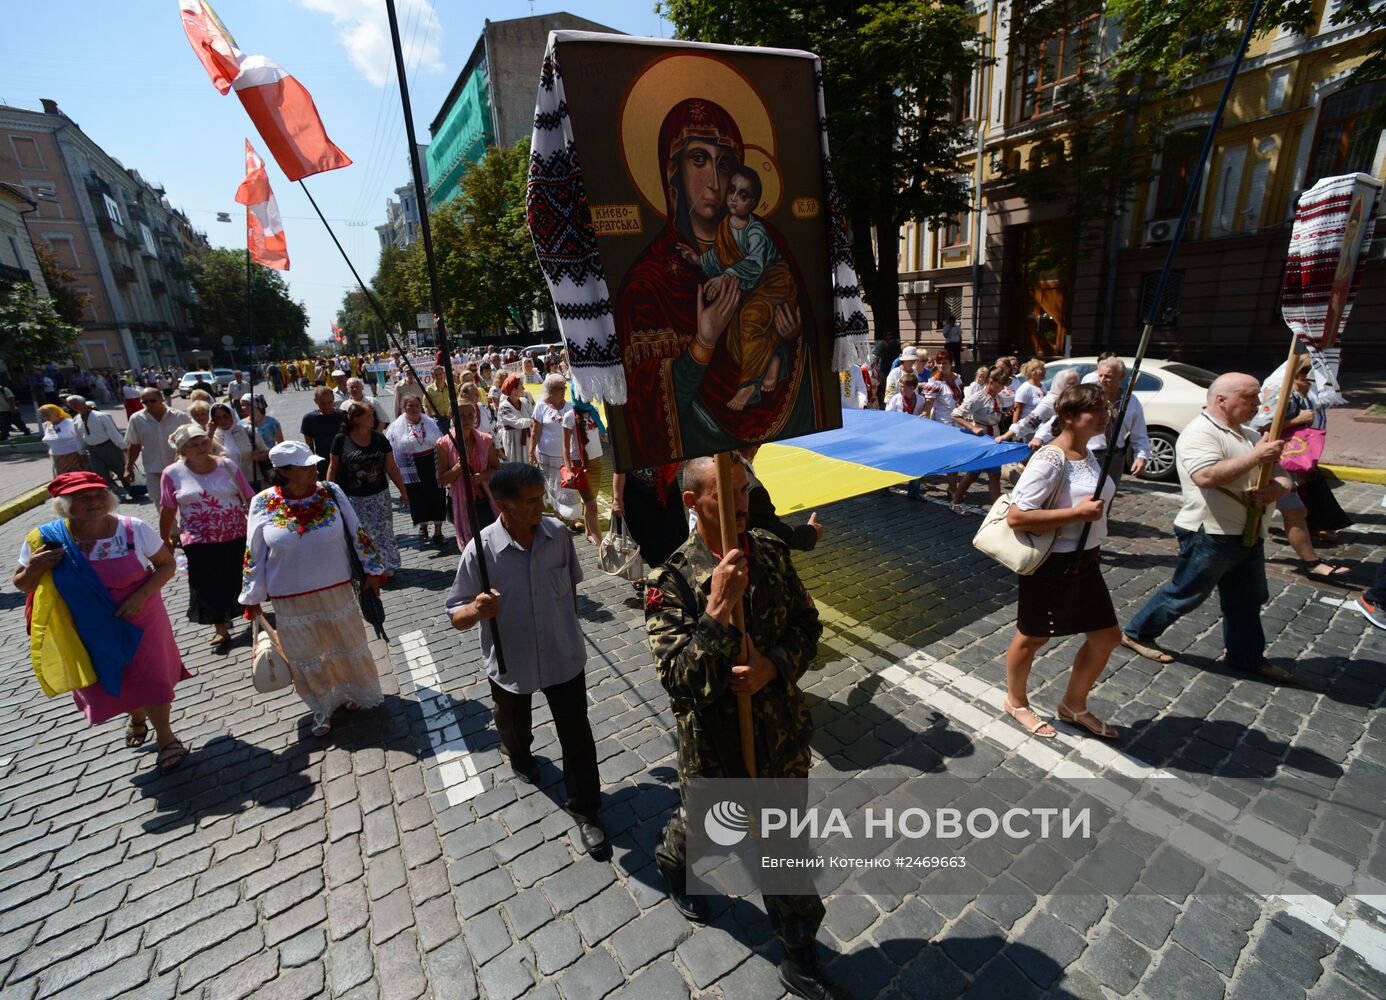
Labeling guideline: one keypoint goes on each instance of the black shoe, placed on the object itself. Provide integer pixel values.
(693, 908)
(526, 770)
(592, 835)
(802, 977)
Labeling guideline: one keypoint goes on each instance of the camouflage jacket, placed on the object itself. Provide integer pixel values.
(694, 654)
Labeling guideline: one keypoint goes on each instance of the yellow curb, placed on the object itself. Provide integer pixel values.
(26, 501)
(1356, 474)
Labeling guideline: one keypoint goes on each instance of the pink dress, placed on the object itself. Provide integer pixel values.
(149, 678)
(479, 450)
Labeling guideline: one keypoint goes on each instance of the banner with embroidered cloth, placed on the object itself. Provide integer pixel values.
(1334, 223)
(683, 210)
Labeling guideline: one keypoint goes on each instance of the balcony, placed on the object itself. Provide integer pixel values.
(109, 228)
(158, 287)
(136, 213)
(11, 275)
(97, 185)
(123, 273)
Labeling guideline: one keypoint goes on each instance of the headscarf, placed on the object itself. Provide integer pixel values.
(406, 442)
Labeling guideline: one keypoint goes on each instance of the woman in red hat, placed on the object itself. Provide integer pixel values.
(110, 571)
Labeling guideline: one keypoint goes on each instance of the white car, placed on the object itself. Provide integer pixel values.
(224, 376)
(189, 382)
(1172, 393)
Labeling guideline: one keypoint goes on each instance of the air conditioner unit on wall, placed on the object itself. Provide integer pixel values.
(1160, 231)
(905, 287)
(922, 287)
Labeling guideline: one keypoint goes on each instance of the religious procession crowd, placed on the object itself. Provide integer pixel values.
(304, 524)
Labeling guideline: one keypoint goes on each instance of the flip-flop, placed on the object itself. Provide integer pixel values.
(1147, 649)
(136, 733)
(1334, 575)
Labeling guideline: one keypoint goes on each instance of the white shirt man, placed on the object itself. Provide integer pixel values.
(146, 439)
(237, 388)
(356, 393)
(1219, 464)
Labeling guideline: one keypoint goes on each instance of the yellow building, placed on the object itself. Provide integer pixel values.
(1291, 119)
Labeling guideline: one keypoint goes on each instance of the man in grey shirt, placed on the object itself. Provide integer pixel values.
(534, 574)
(147, 437)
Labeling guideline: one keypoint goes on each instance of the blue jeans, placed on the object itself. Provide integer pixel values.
(1205, 562)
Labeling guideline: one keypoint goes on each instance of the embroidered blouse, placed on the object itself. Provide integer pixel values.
(296, 547)
(117, 546)
(409, 439)
(1042, 475)
(210, 506)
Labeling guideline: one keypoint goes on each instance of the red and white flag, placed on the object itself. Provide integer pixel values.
(284, 112)
(281, 108)
(264, 229)
(212, 42)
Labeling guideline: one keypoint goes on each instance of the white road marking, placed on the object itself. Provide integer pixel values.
(452, 756)
(1351, 931)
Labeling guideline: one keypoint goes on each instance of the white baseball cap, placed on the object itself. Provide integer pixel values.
(292, 453)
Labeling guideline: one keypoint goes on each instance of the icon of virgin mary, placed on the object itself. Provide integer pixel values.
(684, 372)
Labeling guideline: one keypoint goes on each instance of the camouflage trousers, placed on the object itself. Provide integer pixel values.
(795, 919)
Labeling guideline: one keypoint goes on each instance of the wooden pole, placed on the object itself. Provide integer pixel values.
(726, 509)
(1264, 472)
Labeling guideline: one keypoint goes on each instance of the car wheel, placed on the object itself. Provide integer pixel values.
(1160, 468)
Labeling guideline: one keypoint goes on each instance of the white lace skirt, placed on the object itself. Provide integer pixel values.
(324, 640)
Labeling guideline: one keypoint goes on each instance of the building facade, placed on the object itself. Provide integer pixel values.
(401, 227)
(1291, 120)
(492, 102)
(112, 229)
(18, 261)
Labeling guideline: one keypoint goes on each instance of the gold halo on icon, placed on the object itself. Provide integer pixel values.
(674, 78)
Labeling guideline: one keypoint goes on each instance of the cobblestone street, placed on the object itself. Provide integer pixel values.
(397, 858)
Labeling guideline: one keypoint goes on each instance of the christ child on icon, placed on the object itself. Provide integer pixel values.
(746, 253)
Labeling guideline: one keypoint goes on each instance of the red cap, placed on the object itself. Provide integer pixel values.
(76, 482)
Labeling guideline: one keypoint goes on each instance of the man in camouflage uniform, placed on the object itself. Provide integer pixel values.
(697, 650)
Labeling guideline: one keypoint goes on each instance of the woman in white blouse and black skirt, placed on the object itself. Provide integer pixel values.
(1066, 595)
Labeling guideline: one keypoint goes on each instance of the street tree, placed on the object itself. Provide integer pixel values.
(893, 72)
(488, 274)
(70, 303)
(31, 330)
(218, 278)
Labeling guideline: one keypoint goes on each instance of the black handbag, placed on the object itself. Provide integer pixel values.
(372, 609)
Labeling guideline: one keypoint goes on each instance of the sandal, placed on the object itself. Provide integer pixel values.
(1147, 649)
(171, 756)
(1100, 730)
(1334, 571)
(423, 536)
(1041, 729)
(321, 726)
(136, 733)
(958, 508)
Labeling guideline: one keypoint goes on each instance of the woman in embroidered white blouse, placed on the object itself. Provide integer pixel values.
(297, 558)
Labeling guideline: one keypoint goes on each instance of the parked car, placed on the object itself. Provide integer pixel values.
(1172, 393)
(225, 376)
(189, 382)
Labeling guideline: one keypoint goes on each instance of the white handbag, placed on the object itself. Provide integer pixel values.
(1021, 551)
(269, 666)
(618, 555)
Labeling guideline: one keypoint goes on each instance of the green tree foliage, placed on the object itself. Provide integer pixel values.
(356, 317)
(219, 282)
(489, 277)
(393, 290)
(70, 303)
(891, 73)
(31, 330)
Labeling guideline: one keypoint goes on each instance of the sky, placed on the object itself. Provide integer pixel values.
(124, 72)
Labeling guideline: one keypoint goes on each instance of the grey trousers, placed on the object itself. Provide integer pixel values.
(108, 461)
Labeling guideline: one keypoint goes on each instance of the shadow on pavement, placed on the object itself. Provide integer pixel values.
(1220, 748)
